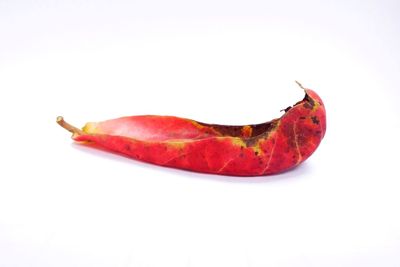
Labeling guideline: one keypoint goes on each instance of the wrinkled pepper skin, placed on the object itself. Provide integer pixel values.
(249, 150)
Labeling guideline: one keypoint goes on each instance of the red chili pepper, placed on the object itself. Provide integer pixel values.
(248, 150)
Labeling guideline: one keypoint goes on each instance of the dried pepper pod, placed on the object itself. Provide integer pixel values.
(247, 150)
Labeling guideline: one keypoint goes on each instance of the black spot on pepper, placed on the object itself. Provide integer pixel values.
(256, 153)
(315, 120)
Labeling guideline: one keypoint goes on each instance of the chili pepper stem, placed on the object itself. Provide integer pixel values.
(301, 86)
(75, 131)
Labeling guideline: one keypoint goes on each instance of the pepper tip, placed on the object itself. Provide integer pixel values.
(300, 85)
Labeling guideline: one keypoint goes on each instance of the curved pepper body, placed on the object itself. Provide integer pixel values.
(248, 150)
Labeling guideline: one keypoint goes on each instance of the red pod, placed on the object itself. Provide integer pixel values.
(247, 150)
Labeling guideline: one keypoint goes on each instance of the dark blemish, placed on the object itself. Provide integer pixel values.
(128, 147)
(307, 105)
(310, 103)
(250, 141)
(302, 118)
(287, 109)
(261, 129)
(315, 120)
(256, 153)
(241, 147)
(318, 132)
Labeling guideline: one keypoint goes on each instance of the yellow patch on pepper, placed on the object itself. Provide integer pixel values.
(90, 128)
(238, 141)
(176, 144)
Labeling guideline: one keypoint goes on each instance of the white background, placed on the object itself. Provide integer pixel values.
(219, 61)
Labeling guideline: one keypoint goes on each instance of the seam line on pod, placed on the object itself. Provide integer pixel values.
(225, 165)
(270, 157)
(296, 142)
(173, 158)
